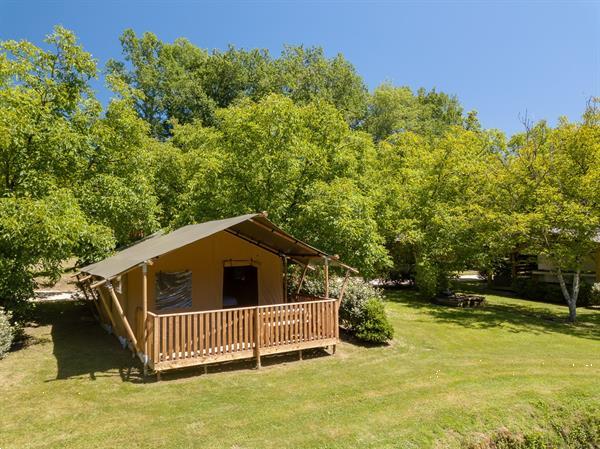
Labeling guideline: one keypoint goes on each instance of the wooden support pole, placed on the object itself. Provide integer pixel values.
(300, 354)
(302, 279)
(145, 313)
(95, 308)
(99, 283)
(123, 316)
(97, 302)
(285, 279)
(85, 278)
(83, 289)
(343, 289)
(326, 278)
(107, 310)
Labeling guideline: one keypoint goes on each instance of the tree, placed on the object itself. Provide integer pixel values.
(305, 74)
(552, 189)
(284, 158)
(179, 82)
(45, 102)
(394, 110)
(71, 178)
(36, 236)
(434, 202)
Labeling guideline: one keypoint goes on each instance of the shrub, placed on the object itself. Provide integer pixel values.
(358, 312)
(427, 279)
(594, 295)
(574, 432)
(374, 326)
(7, 332)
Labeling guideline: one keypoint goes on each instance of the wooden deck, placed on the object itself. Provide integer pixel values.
(196, 338)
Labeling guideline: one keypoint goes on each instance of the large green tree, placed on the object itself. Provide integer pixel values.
(550, 189)
(71, 178)
(290, 160)
(434, 203)
(179, 82)
(393, 110)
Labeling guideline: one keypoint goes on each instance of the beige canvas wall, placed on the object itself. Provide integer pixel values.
(206, 259)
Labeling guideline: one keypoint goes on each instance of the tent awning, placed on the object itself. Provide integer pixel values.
(254, 228)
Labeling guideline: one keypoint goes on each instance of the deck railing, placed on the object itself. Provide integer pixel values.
(185, 339)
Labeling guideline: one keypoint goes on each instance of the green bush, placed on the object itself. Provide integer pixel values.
(7, 333)
(593, 295)
(374, 325)
(358, 312)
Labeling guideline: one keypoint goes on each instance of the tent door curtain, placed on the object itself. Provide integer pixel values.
(240, 286)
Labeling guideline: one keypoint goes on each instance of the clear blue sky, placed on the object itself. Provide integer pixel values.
(501, 58)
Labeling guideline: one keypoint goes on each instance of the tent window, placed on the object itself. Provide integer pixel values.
(173, 290)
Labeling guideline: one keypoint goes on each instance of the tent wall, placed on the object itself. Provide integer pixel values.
(206, 260)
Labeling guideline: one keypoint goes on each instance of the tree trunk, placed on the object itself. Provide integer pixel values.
(570, 298)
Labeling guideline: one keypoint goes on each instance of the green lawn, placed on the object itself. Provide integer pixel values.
(448, 375)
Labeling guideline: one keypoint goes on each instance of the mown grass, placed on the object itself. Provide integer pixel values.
(449, 376)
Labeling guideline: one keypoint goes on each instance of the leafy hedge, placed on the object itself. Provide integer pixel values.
(361, 312)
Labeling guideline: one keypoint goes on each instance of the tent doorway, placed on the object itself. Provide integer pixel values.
(240, 286)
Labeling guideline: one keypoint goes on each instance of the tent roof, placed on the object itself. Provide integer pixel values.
(255, 228)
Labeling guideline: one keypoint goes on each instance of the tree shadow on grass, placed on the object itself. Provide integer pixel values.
(521, 316)
(82, 347)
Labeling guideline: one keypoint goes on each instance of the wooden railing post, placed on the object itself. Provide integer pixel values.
(326, 278)
(257, 332)
(285, 279)
(156, 349)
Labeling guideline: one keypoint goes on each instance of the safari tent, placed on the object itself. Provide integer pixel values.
(212, 292)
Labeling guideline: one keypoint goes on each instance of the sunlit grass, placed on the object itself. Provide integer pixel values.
(449, 373)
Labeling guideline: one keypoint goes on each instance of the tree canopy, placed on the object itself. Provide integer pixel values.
(392, 180)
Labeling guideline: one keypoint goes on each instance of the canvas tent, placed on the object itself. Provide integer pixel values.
(212, 291)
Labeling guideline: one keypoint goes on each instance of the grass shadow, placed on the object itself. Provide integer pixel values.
(81, 347)
(520, 316)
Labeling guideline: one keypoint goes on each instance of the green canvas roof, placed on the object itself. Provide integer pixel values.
(255, 228)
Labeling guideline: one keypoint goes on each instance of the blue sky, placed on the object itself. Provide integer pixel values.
(501, 58)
